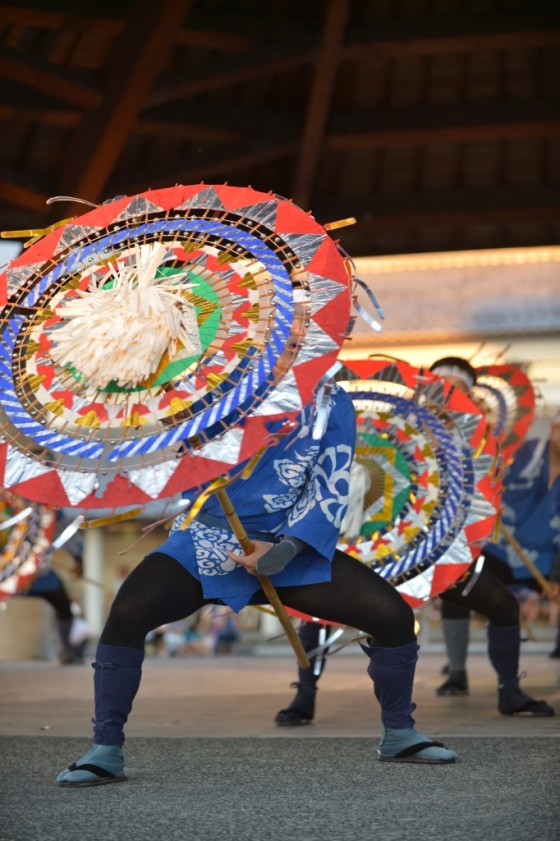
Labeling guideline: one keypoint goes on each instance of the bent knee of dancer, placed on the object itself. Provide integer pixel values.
(392, 629)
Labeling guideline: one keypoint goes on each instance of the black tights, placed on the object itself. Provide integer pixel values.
(159, 591)
(59, 600)
(489, 596)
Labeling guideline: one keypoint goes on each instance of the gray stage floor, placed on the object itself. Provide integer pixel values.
(206, 761)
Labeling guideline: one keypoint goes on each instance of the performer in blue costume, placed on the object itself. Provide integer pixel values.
(531, 496)
(292, 506)
(532, 511)
(531, 507)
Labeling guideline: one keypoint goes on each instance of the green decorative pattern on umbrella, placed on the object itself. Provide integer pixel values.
(390, 481)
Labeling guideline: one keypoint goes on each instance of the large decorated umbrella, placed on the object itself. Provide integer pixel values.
(424, 494)
(507, 398)
(158, 342)
(26, 534)
(184, 318)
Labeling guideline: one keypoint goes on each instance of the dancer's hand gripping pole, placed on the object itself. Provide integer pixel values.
(268, 588)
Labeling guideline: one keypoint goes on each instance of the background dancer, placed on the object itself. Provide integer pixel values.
(490, 595)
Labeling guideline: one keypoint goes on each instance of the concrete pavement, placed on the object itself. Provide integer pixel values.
(206, 761)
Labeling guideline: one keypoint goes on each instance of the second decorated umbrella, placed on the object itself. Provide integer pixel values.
(425, 491)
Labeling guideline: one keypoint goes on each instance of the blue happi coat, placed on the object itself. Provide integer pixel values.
(299, 487)
(531, 511)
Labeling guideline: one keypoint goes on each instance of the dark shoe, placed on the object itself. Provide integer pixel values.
(300, 711)
(456, 684)
(555, 655)
(516, 702)
(292, 717)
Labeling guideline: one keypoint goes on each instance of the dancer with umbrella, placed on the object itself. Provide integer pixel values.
(256, 384)
(422, 497)
(532, 498)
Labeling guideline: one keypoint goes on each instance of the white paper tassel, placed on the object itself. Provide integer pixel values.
(121, 333)
(360, 483)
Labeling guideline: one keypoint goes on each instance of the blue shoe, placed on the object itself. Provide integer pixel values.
(411, 746)
(101, 765)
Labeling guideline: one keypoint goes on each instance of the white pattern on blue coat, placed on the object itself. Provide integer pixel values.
(299, 488)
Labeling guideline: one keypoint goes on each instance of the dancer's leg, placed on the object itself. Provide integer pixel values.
(158, 591)
(455, 626)
(302, 708)
(491, 598)
(358, 597)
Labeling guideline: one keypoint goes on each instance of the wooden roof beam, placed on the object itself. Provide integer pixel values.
(446, 208)
(139, 56)
(438, 35)
(23, 197)
(49, 19)
(230, 75)
(23, 68)
(451, 45)
(215, 40)
(44, 116)
(112, 27)
(450, 124)
(186, 131)
(221, 164)
(324, 78)
(245, 119)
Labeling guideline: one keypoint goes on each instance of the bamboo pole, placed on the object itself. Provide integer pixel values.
(267, 587)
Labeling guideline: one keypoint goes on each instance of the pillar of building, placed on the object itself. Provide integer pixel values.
(93, 580)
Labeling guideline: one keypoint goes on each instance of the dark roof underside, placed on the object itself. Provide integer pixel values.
(436, 123)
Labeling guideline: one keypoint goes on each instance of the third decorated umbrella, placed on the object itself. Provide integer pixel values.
(507, 398)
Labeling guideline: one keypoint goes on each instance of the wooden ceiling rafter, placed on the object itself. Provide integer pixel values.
(230, 74)
(112, 28)
(448, 125)
(187, 131)
(443, 34)
(46, 78)
(324, 79)
(448, 207)
(139, 57)
(216, 40)
(451, 45)
(22, 197)
(232, 159)
(64, 118)
(11, 15)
